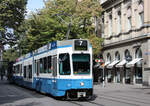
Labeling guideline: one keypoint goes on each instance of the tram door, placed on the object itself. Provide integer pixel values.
(54, 65)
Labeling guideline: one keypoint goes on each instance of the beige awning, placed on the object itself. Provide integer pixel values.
(133, 62)
(113, 63)
(121, 63)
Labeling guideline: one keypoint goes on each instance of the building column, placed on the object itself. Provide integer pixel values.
(105, 74)
(113, 21)
(123, 17)
(113, 75)
(122, 78)
(132, 76)
(146, 12)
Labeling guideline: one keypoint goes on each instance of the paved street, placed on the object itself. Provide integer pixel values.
(111, 95)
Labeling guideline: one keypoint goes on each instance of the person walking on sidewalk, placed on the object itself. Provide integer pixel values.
(1, 74)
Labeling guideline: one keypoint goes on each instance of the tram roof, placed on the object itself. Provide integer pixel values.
(49, 46)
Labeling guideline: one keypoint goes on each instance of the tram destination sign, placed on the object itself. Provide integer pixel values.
(81, 45)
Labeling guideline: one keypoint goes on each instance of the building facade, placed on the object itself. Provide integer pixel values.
(126, 25)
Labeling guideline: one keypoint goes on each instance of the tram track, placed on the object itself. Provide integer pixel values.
(125, 99)
(79, 103)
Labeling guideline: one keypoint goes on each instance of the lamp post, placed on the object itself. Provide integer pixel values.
(102, 67)
(103, 76)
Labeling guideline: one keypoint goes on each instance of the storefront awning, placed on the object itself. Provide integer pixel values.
(106, 63)
(120, 64)
(133, 62)
(113, 63)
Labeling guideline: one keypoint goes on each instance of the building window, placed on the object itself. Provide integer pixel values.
(102, 27)
(127, 55)
(110, 25)
(108, 57)
(129, 21)
(138, 53)
(140, 18)
(117, 56)
(119, 23)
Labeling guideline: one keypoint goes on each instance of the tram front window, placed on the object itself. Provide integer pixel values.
(81, 63)
(64, 64)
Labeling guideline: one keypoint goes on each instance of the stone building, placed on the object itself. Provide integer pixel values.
(126, 32)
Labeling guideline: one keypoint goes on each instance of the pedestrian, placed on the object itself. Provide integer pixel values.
(1, 76)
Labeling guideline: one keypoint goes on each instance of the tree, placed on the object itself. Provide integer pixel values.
(63, 19)
(12, 13)
(10, 55)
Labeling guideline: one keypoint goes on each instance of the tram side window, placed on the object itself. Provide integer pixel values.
(35, 67)
(17, 69)
(45, 65)
(30, 71)
(20, 69)
(24, 74)
(38, 67)
(14, 71)
(49, 64)
(64, 64)
(41, 65)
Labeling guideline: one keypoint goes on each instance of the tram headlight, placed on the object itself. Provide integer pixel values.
(82, 83)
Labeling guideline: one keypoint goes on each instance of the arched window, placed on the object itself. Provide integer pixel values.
(108, 57)
(117, 56)
(127, 55)
(138, 53)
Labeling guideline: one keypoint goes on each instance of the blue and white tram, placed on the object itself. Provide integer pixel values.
(61, 68)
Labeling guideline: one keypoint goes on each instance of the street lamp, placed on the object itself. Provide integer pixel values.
(101, 66)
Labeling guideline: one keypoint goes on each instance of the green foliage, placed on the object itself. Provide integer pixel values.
(96, 44)
(10, 55)
(59, 18)
(12, 14)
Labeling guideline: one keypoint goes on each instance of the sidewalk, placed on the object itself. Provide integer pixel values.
(114, 87)
(3, 81)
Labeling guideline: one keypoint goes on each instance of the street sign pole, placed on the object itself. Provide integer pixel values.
(103, 78)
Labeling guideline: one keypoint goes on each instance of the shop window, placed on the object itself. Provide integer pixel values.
(138, 66)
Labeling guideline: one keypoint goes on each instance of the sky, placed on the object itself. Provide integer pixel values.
(33, 5)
